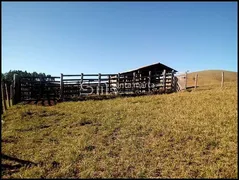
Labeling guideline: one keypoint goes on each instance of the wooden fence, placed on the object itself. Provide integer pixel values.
(104, 84)
(6, 96)
(67, 87)
(36, 88)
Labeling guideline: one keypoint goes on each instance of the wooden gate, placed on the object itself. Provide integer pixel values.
(38, 88)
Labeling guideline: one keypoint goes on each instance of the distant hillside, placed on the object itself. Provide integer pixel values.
(207, 77)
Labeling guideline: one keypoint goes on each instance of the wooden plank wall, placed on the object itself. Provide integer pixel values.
(86, 84)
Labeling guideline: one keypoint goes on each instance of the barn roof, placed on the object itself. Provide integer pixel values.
(158, 65)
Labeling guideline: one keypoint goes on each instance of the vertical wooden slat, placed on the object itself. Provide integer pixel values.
(186, 79)
(7, 96)
(134, 77)
(4, 96)
(62, 87)
(11, 103)
(99, 81)
(164, 80)
(3, 100)
(82, 75)
(82, 78)
(124, 83)
(108, 92)
(222, 82)
(16, 88)
(140, 82)
(196, 81)
(149, 81)
(118, 83)
(172, 83)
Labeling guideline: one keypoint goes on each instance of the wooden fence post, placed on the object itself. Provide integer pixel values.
(11, 103)
(62, 87)
(99, 82)
(3, 99)
(134, 77)
(222, 82)
(124, 83)
(82, 79)
(16, 89)
(164, 80)
(108, 91)
(7, 96)
(118, 88)
(196, 81)
(186, 78)
(140, 82)
(172, 83)
(149, 81)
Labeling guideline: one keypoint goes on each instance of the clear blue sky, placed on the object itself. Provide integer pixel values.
(104, 37)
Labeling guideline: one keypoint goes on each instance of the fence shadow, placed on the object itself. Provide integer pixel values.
(16, 167)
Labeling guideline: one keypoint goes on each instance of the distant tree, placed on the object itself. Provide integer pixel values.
(8, 77)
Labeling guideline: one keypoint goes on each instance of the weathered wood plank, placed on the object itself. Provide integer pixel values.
(196, 81)
(222, 82)
(98, 87)
(3, 99)
(7, 96)
(62, 87)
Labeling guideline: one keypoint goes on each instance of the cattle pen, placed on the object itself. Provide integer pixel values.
(155, 78)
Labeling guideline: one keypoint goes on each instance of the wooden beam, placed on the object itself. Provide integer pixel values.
(134, 77)
(16, 89)
(124, 84)
(7, 96)
(164, 80)
(186, 79)
(172, 82)
(82, 78)
(62, 87)
(118, 84)
(222, 82)
(149, 82)
(98, 87)
(196, 81)
(3, 100)
(108, 92)
(11, 103)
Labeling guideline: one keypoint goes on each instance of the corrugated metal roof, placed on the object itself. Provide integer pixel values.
(149, 66)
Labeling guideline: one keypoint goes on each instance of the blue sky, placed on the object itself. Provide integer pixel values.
(104, 37)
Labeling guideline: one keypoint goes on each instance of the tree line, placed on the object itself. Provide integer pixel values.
(8, 76)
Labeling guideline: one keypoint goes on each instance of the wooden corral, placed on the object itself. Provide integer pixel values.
(155, 78)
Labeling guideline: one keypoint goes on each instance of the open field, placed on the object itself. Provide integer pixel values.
(180, 135)
(211, 77)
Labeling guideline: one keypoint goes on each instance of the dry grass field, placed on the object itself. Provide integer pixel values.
(211, 77)
(179, 135)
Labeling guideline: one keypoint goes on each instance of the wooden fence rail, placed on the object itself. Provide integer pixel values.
(66, 86)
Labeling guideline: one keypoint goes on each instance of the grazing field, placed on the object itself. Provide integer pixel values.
(180, 135)
(211, 77)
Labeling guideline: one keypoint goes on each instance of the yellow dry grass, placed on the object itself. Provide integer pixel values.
(211, 77)
(180, 135)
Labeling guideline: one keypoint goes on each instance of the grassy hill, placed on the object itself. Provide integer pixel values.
(211, 77)
(179, 135)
